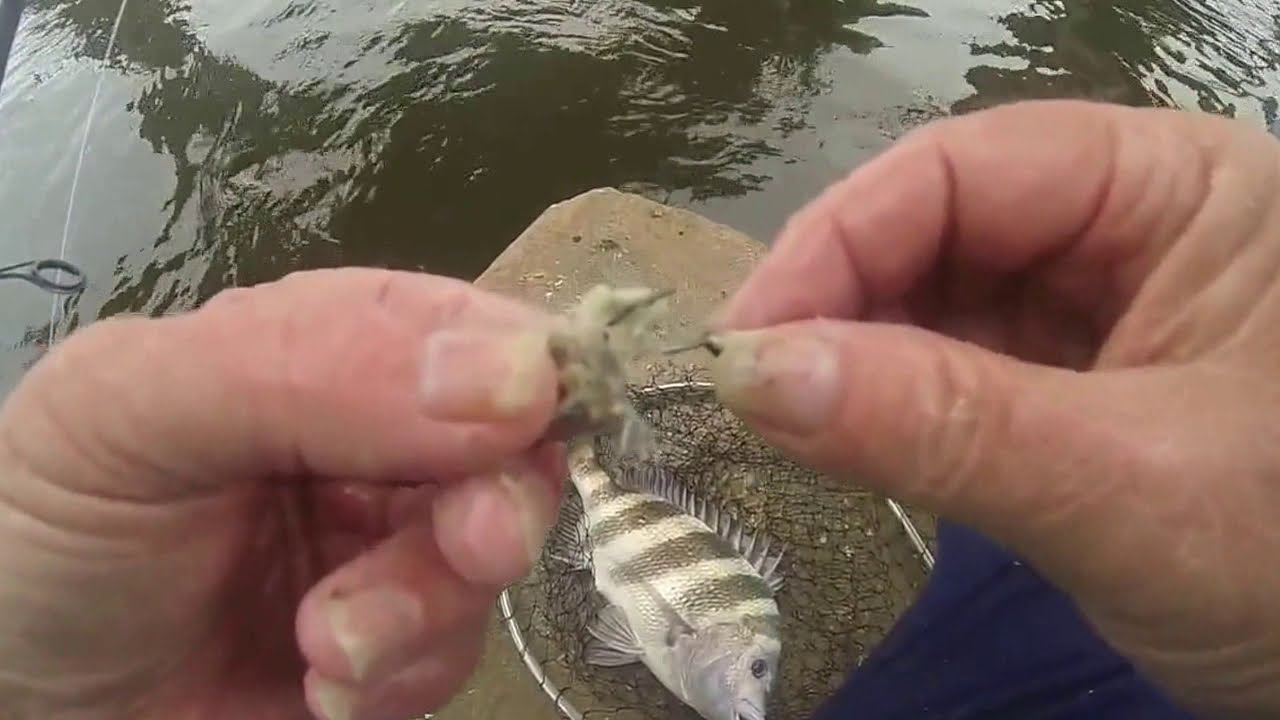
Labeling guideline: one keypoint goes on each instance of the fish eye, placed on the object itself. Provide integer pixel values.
(758, 668)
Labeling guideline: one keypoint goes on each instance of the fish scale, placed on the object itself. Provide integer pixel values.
(672, 553)
(647, 539)
(636, 517)
(687, 584)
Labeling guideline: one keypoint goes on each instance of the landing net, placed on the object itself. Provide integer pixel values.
(854, 562)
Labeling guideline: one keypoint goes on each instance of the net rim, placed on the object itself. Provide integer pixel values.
(506, 607)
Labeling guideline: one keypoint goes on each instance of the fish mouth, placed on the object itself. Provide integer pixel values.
(748, 710)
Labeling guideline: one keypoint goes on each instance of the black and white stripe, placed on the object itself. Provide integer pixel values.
(650, 551)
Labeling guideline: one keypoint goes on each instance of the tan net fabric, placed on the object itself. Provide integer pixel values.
(850, 568)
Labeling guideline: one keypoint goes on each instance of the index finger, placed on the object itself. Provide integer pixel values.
(1090, 185)
(356, 374)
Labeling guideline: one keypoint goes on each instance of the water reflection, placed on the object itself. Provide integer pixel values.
(652, 104)
(1186, 54)
(426, 168)
(271, 137)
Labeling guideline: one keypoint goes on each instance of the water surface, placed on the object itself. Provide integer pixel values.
(237, 140)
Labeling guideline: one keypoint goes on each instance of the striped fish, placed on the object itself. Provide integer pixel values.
(690, 591)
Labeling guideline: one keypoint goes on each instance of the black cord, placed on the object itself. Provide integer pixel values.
(10, 14)
(37, 273)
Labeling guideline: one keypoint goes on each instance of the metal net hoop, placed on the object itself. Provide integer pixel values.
(854, 562)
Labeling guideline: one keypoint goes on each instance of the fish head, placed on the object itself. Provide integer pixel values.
(731, 670)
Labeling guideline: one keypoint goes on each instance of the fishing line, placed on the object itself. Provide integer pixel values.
(35, 271)
(84, 147)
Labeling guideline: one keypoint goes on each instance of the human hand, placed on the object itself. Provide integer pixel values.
(1057, 322)
(333, 474)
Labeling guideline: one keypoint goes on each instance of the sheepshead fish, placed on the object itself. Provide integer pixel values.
(690, 590)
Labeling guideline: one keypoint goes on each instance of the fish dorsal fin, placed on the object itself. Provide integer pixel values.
(762, 551)
(570, 542)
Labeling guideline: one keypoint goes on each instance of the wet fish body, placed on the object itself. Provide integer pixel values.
(690, 590)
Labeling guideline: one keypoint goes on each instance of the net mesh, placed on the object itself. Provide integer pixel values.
(850, 567)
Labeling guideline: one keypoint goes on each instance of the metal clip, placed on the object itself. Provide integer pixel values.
(706, 342)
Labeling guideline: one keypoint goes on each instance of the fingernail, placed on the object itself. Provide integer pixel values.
(784, 379)
(475, 376)
(369, 625)
(332, 701)
(491, 529)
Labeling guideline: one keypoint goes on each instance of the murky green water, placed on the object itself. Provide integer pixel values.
(236, 140)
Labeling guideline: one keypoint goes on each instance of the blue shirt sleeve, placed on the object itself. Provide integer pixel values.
(989, 639)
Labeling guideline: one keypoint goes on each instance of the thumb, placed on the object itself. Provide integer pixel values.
(1008, 447)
